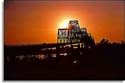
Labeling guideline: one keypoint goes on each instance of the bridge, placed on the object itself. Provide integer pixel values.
(71, 40)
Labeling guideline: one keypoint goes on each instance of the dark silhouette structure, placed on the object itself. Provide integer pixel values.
(74, 34)
(74, 57)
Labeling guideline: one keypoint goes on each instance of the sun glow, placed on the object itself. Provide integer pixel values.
(64, 24)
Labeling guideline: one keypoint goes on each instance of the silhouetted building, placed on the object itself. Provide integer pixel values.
(74, 34)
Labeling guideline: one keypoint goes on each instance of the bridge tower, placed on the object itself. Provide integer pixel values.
(74, 34)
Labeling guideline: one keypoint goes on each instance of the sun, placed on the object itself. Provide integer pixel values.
(64, 23)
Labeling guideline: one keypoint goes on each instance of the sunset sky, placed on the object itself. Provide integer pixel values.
(33, 22)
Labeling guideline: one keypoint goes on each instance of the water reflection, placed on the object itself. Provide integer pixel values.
(21, 57)
(41, 57)
(63, 54)
(53, 55)
(37, 56)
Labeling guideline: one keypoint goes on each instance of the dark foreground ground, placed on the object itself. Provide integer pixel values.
(102, 62)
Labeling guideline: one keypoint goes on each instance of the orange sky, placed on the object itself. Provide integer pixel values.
(27, 22)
